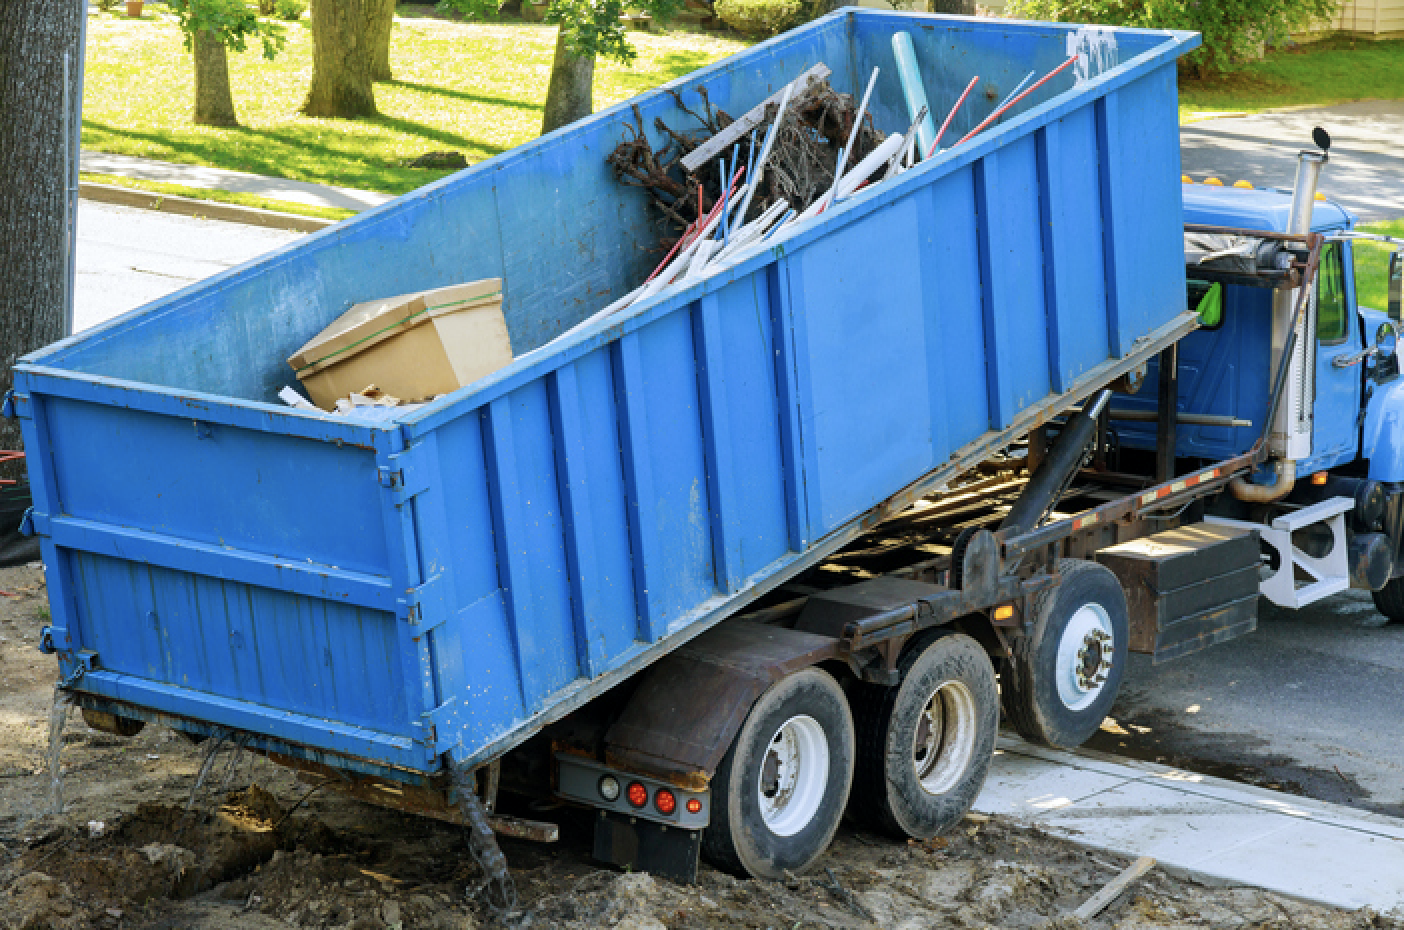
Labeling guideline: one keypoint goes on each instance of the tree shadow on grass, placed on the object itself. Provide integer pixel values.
(468, 97)
(246, 148)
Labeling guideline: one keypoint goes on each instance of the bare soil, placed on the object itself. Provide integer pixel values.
(268, 851)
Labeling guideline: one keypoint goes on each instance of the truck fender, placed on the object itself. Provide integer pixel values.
(1382, 441)
(690, 705)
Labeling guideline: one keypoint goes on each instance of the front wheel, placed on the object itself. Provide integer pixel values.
(1064, 675)
(925, 746)
(780, 791)
(1389, 600)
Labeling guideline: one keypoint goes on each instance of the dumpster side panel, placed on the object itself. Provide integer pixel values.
(1074, 260)
(190, 479)
(617, 494)
(239, 641)
(1138, 144)
(865, 405)
(955, 324)
(221, 565)
(1017, 316)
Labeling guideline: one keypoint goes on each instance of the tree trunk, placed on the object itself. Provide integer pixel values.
(958, 7)
(341, 59)
(569, 95)
(214, 103)
(34, 35)
(383, 27)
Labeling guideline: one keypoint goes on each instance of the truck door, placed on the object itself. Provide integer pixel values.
(1336, 407)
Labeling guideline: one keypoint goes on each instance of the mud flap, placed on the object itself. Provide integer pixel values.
(644, 846)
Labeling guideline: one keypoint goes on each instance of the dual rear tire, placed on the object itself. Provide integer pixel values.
(915, 756)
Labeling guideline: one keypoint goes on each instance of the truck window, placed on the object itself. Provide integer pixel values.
(1371, 260)
(1331, 322)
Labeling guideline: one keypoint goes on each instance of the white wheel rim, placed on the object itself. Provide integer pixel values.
(943, 740)
(1084, 656)
(793, 775)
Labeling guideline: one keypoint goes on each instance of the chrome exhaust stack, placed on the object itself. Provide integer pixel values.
(1291, 432)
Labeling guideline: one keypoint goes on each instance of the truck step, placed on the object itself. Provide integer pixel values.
(1300, 578)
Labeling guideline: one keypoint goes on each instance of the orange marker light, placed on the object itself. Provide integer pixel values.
(1214, 182)
(1243, 184)
(1319, 478)
(1003, 613)
(694, 806)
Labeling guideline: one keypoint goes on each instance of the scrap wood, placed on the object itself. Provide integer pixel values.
(755, 117)
(1099, 901)
(810, 136)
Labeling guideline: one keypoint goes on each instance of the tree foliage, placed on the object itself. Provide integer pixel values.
(1234, 30)
(230, 22)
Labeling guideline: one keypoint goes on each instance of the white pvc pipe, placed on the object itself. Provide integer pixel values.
(853, 133)
(759, 166)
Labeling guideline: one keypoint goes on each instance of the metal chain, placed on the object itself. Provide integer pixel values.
(482, 843)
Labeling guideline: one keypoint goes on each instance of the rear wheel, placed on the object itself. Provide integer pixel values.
(924, 747)
(1064, 676)
(780, 791)
(1389, 600)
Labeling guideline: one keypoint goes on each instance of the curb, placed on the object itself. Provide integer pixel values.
(204, 209)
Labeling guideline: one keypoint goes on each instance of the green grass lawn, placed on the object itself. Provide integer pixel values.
(1372, 264)
(1334, 70)
(477, 89)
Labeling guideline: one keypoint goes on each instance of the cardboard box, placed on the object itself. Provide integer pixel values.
(413, 346)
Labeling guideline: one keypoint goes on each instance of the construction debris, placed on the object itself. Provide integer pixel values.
(684, 176)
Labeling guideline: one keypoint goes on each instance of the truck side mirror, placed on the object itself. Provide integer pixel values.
(1396, 283)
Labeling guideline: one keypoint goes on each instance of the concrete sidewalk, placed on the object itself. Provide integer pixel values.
(1205, 828)
(316, 195)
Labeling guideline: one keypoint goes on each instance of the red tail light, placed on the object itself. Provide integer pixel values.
(637, 794)
(694, 806)
(665, 801)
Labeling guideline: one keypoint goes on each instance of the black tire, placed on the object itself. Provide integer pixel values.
(1031, 694)
(739, 838)
(1389, 600)
(902, 785)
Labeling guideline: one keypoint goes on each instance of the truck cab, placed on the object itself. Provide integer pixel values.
(1343, 400)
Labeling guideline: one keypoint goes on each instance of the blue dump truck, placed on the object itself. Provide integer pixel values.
(755, 549)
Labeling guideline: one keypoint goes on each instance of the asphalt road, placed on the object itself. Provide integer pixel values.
(1312, 702)
(1365, 173)
(129, 257)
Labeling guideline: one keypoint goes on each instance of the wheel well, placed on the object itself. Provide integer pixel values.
(979, 628)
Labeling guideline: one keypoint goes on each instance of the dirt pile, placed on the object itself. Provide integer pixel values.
(247, 859)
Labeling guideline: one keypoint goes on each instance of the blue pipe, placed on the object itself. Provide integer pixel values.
(913, 89)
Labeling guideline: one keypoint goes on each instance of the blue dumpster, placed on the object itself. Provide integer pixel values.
(377, 597)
